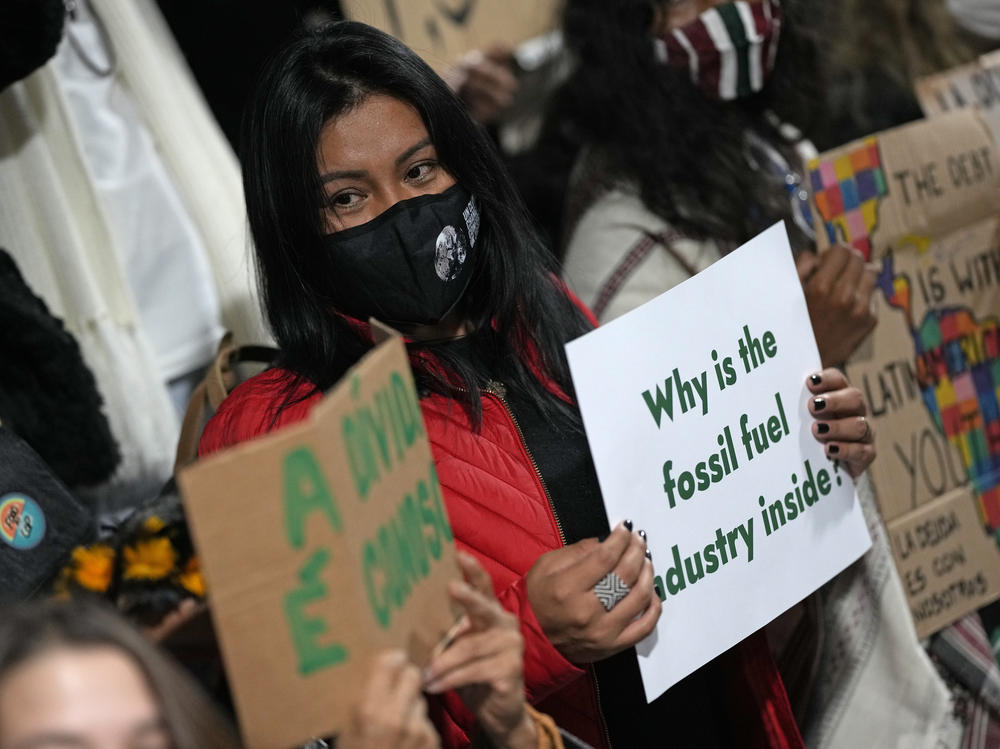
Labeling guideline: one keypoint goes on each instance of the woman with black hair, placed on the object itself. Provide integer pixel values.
(371, 193)
(676, 116)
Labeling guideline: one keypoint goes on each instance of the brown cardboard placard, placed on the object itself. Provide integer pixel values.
(323, 544)
(947, 565)
(441, 31)
(976, 85)
(922, 203)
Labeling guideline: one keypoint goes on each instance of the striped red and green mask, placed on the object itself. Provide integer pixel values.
(728, 50)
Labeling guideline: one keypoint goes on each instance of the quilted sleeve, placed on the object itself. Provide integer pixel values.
(545, 668)
(253, 409)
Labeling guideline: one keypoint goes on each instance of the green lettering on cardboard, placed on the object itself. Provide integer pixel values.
(360, 456)
(379, 604)
(409, 410)
(306, 630)
(429, 518)
(306, 491)
(402, 554)
(410, 515)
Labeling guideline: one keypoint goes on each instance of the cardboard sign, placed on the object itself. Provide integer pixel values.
(944, 559)
(323, 544)
(975, 86)
(441, 31)
(695, 407)
(922, 202)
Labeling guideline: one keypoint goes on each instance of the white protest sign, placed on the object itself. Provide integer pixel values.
(695, 407)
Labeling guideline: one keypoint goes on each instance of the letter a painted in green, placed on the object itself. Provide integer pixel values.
(306, 491)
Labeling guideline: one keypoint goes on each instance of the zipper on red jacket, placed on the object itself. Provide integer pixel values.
(498, 390)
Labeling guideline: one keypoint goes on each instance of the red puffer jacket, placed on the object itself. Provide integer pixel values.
(500, 512)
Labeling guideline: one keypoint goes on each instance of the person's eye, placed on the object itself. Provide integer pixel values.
(421, 172)
(345, 199)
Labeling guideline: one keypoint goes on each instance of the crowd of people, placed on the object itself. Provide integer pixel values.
(666, 134)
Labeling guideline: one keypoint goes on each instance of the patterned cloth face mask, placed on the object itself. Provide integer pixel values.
(729, 50)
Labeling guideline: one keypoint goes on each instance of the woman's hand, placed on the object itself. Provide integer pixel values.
(484, 662)
(560, 588)
(840, 425)
(392, 710)
(838, 288)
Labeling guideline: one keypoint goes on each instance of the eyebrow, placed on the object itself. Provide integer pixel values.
(412, 150)
(52, 739)
(361, 173)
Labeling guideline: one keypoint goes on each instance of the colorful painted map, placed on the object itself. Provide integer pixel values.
(847, 191)
(958, 370)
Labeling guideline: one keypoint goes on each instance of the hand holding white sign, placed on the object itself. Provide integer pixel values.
(561, 590)
(841, 420)
(703, 430)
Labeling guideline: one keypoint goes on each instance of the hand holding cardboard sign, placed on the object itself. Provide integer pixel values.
(485, 662)
(841, 421)
(838, 288)
(561, 590)
(392, 711)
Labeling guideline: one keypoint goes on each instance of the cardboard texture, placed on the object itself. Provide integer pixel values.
(976, 85)
(323, 544)
(922, 203)
(944, 559)
(441, 31)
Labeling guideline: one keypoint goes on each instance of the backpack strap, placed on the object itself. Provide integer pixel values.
(219, 381)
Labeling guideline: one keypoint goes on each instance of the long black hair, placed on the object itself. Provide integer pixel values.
(652, 127)
(516, 306)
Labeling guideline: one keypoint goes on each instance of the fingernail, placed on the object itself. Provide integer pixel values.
(649, 555)
(822, 427)
(819, 404)
(815, 379)
(659, 591)
(628, 525)
(602, 538)
(834, 449)
(642, 535)
(432, 687)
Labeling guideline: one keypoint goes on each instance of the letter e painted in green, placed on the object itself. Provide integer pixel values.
(306, 630)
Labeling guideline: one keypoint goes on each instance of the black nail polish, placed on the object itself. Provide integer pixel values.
(834, 449)
(659, 591)
(822, 427)
(642, 535)
(815, 379)
(601, 538)
(819, 404)
(628, 525)
(649, 555)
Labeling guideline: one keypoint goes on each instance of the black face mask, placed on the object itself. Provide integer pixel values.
(409, 265)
